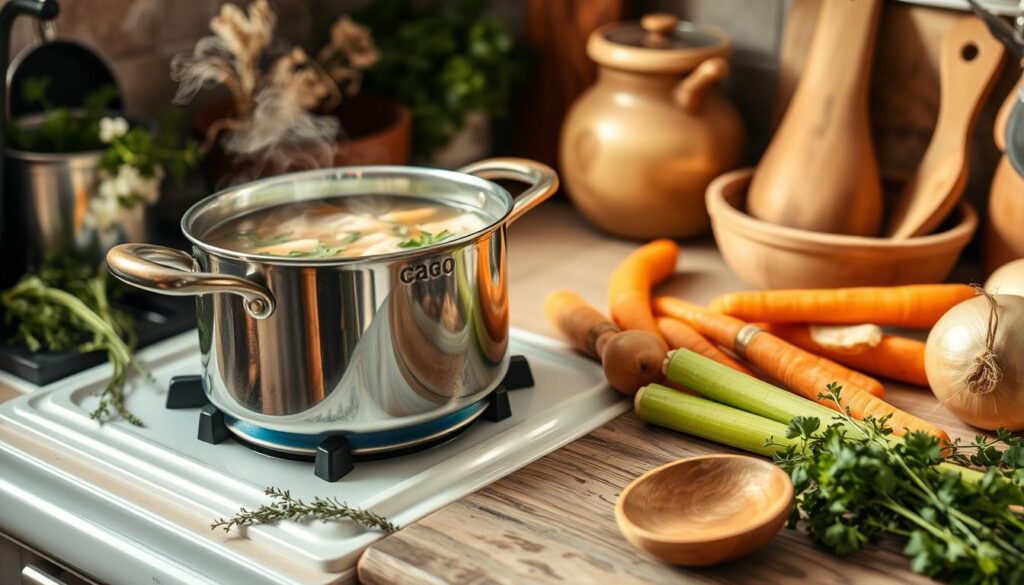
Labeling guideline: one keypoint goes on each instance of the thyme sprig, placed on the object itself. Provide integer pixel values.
(854, 483)
(284, 507)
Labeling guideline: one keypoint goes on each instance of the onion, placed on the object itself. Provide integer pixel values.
(1008, 279)
(974, 359)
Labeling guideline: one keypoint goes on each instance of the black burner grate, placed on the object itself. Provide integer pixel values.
(334, 457)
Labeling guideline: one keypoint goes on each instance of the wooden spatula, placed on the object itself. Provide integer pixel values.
(968, 63)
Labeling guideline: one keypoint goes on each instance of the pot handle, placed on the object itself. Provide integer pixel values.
(170, 272)
(542, 179)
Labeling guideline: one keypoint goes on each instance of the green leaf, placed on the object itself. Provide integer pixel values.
(426, 239)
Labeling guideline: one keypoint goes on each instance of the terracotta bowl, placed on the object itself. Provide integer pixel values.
(705, 510)
(771, 256)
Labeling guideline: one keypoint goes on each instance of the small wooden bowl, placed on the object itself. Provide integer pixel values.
(774, 256)
(705, 510)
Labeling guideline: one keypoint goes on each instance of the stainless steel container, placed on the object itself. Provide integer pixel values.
(348, 345)
(52, 193)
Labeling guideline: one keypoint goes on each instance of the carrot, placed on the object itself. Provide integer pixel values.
(897, 358)
(680, 335)
(629, 287)
(841, 372)
(630, 359)
(916, 306)
(794, 368)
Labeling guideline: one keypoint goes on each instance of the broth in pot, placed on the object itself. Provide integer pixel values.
(346, 227)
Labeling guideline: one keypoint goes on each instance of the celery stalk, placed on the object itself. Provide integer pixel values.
(703, 418)
(724, 384)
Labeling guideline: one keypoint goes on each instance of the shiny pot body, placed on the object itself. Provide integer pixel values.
(348, 345)
(52, 193)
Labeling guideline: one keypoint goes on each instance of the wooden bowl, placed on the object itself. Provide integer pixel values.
(705, 510)
(774, 256)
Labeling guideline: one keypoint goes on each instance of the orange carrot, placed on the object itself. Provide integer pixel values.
(681, 335)
(793, 367)
(916, 306)
(630, 359)
(629, 287)
(897, 358)
(841, 372)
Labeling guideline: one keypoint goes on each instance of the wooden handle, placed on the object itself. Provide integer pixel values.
(969, 60)
(689, 94)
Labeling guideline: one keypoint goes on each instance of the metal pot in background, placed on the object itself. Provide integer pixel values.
(50, 194)
(358, 345)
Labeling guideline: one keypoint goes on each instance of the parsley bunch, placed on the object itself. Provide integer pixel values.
(852, 487)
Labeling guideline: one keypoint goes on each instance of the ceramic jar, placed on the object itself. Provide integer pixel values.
(639, 148)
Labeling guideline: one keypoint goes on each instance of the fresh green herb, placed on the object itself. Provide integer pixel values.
(149, 153)
(351, 238)
(425, 239)
(444, 60)
(284, 507)
(66, 306)
(854, 487)
(318, 251)
(61, 129)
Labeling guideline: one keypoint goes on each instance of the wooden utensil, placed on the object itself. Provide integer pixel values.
(969, 61)
(796, 37)
(705, 510)
(819, 172)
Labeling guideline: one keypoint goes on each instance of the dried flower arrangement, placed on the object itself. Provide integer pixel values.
(277, 111)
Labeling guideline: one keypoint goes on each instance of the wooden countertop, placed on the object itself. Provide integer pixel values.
(553, 520)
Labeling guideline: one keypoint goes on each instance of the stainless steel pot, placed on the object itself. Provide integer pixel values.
(352, 345)
(52, 193)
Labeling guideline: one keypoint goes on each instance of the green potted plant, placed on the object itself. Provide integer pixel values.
(286, 111)
(452, 65)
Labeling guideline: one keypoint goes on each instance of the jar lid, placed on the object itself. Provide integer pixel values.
(657, 43)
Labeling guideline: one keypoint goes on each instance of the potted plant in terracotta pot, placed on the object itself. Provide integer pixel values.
(287, 111)
(454, 67)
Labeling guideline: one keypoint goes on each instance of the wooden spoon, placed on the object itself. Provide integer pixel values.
(705, 510)
(968, 63)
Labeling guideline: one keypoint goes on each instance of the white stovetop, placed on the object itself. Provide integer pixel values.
(133, 505)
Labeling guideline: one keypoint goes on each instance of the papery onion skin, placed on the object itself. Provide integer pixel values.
(1008, 279)
(957, 340)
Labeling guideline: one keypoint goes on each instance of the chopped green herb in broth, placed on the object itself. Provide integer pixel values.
(425, 239)
(345, 227)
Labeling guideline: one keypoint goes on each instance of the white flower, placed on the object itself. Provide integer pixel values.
(127, 180)
(111, 128)
(149, 187)
(104, 213)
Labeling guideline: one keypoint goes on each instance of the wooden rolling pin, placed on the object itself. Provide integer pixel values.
(819, 172)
